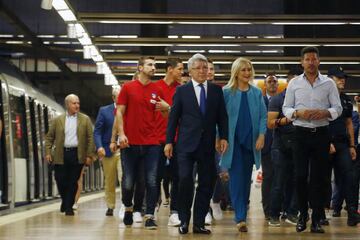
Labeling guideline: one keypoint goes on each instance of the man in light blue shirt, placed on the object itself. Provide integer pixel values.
(311, 101)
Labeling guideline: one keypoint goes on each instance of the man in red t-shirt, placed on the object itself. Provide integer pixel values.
(174, 70)
(135, 124)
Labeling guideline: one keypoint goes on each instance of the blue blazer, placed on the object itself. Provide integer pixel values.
(192, 126)
(103, 128)
(258, 120)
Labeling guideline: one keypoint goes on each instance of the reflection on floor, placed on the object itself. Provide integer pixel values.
(90, 222)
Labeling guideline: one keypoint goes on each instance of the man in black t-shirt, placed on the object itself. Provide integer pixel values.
(343, 151)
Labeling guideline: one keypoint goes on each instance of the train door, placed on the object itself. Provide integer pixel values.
(52, 183)
(4, 166)
(29, 151)
(40, 132)
(47, 167)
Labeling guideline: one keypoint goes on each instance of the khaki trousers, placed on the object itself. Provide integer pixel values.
(112, 174)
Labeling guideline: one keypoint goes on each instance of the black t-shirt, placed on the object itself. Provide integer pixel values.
(338, 127)
(275, 105)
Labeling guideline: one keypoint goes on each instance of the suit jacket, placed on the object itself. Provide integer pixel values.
(192, 126)
(55, 138)
(103, 128)
(269, 132)
(258, 120)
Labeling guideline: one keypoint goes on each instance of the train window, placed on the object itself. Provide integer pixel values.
(18, 126)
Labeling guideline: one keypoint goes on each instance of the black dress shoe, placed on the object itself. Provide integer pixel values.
(62, 208)
(353, 219)
(201, 230)
(69, 213)
(301, 224)
(184, 228)
(109, 212)
(324, 222)
(316, 228)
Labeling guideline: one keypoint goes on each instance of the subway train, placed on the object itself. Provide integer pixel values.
(25, 176)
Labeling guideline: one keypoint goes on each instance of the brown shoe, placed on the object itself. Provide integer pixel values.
(241, 226)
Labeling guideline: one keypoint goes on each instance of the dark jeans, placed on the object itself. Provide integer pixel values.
(140, 159)
(311, 155)
(219, 188)
(66, 177)
(267, 173)
(169, 172)
(206, 179)
(283, 179)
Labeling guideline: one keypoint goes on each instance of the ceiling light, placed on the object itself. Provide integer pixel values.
(62, 43)
(85, 40)
(270, 51)
(276, 36)
(206, 45)
(71, 30)
(129, 61)
(191, 36)
(228, 37)
(196, 51)
(107, 50)
(45, 36)
(216, 51)
(341, 45)
(253, 51)
(222, 62)
(173, 36)
(128, 36)
(97, 58)
(289, 45)
(60, 5)
(215, 23)
(46, 4)
(180, 51)
(135, 22)
(110, 79)
(6, 35)
(67, 15)
(309, 23)
(252, 36)
(14, 42)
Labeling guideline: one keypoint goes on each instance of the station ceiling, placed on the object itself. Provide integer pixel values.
(269, 32)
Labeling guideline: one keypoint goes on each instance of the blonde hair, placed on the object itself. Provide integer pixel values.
(239, 63)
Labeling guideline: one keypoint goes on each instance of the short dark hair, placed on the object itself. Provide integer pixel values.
(172, 62)
(210, 60)
(309, 50)
(142, 60)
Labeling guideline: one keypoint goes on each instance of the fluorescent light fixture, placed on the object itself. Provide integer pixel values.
(79, 50)
(196, 51)
(135, 22)
(216, 51)
(20, 36)
(45, 36)
(129, 61)
(309, 23)
(190, 37)
(180, 51)
(206, 45)
(100, 67)
(275, 36)
(355, 23)
(222, 62)
(85, 39)
(71, 30)
(60, 5)
(173, 36)
(67, 15)
(6, 35)
(80, 30)
(228, 37)
(277, 62)
(214, 23)
(62, 43)
(97, 58)
(252, 51)
(341, 45)
(87, 51)
(128, 36)
(46, 42)
(219, 74)
(14, 42)
(252, 36)
(110, 79)
(232, 51)
(289, 45)
(339, 63)
(46, 4)
(270, 51)
(107, 50)
(137, 44)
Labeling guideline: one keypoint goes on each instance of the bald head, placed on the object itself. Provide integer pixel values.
(72, 104)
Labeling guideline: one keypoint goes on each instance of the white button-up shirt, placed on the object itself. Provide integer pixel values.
(197, 89)
(71, 139)
(323, 94)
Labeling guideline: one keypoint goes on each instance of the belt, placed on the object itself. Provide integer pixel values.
(69, 149)
(312, 130)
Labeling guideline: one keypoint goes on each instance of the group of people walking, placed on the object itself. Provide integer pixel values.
(183, 126)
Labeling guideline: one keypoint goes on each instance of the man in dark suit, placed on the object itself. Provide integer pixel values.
(198, 108)
(271, 86)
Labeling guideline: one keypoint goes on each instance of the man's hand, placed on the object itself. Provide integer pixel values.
(332, 149)
(353, 153)
(48, 158)
(224, 176)
(260, 141)
(223, 146)
(101, 152)
(162, 106)
(168, 150)
(124, 143)
(312, 114)
(113, 147)
(88, 161)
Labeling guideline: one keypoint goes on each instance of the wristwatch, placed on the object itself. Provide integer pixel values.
(295, 114)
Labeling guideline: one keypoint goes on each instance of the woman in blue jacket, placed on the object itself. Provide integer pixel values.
(247, 126)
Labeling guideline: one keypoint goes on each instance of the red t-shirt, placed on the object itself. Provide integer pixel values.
(140, 115)
(161, 122)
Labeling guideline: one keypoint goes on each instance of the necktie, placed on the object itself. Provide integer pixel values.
(202, 99)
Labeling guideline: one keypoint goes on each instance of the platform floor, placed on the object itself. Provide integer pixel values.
(90, 222)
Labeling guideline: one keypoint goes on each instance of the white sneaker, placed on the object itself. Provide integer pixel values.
(174, 220)
(122, 212)
(208, 219)
(137, 217)
(216, 210)
(75, 206)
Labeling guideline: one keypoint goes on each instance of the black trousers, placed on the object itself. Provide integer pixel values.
(268, 175)
(66, 176)
(206, 170)
(311, 155)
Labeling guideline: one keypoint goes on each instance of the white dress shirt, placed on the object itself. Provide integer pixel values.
(197, 89)
(323, 94)
(71, 139)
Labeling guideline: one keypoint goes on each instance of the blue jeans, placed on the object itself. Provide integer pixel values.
(138, 158)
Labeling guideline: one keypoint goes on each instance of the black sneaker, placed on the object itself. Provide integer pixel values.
(353, 219)
(274, 222)
(336, 213)
(292, 219)
(150, 224)
(128, 218)
(109, 212)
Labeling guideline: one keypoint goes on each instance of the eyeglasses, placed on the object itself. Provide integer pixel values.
(200, 68)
